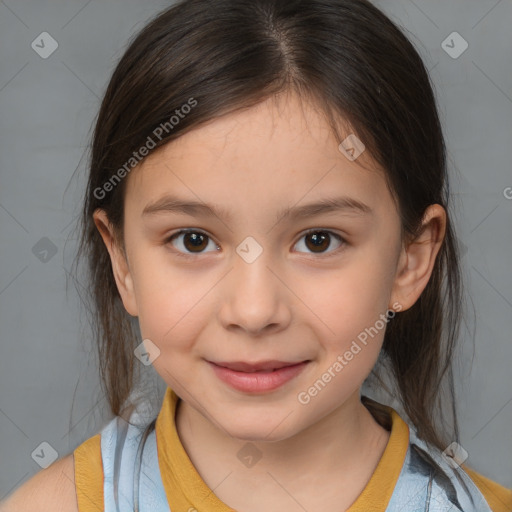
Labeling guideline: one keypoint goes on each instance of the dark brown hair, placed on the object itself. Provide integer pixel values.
(358, 67)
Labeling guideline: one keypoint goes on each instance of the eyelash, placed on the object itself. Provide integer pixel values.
(189, 256)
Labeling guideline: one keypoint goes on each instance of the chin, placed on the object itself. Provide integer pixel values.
(256, 434)
(257, 426)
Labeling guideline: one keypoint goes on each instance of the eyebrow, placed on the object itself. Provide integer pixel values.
(173, 204)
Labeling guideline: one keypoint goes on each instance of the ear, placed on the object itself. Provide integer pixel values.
(119, 262)
(417, 258)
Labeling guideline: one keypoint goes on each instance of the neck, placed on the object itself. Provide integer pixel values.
(348, 441)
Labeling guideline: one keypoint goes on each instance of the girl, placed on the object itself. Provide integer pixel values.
(268, 196)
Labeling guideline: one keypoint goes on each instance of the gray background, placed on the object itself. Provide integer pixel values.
(49, 385)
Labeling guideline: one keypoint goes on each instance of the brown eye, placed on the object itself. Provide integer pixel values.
(191, 241)
(318, 241)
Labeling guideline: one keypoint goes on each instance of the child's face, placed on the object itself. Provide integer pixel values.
(302, 299)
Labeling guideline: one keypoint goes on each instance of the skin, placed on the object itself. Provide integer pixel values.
(290, 304)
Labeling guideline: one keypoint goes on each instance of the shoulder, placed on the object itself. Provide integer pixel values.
(52, 489)
(498, 497)
(71, 484)
(433, 478)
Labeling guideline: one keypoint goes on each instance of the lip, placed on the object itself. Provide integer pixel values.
(261, 377)
(242, 366)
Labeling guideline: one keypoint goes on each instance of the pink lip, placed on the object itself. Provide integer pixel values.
(258, 377)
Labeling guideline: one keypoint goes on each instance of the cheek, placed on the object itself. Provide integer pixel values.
(348, 302)
(172, 317)
(172, 303)
(168, 311)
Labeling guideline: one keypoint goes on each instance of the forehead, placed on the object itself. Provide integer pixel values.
(275, 153)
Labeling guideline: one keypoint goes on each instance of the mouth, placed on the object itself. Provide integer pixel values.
(258, 377)
(263, 366)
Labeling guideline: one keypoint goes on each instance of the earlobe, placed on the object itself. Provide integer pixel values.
(417, 258)
(120, 267)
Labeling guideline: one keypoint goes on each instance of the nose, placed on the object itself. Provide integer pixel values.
(255, 300)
